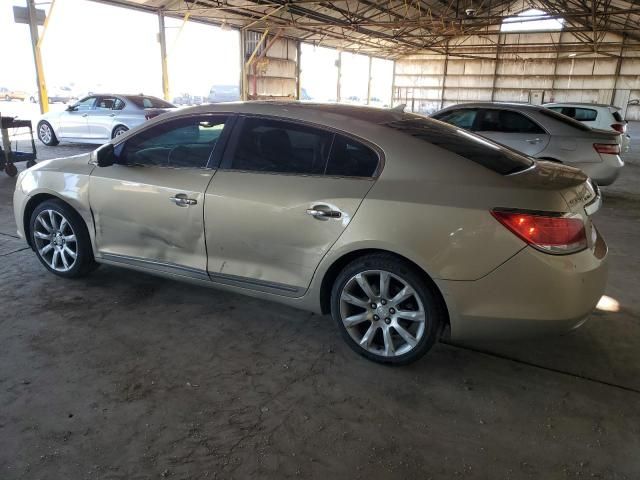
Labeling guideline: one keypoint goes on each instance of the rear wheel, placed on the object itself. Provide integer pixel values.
(47, 135)
(119, 130)
(385, 310)
(61, 240)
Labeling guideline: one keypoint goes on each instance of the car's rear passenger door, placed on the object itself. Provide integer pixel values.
(283, 195)
(513, 129)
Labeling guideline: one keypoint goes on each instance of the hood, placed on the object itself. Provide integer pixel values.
(65, 164)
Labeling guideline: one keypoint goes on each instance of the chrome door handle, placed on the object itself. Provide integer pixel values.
(181, 200)
(112, 114)
(85, 114)
(323, 213)
(533, 140)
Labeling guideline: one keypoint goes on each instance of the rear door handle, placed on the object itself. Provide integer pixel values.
(181, 200)
(323, 212)
(533, 140)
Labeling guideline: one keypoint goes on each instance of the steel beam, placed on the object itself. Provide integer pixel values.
(162, 38)
(43, 96)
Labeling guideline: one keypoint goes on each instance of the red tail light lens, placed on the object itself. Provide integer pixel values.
(609, 148)
(550, 234)
(618, 127)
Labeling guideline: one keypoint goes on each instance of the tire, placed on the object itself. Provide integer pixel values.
(386, 334)
(10, 169)
(46, 134)
(53, 239)
(119, 130)
(32, 99)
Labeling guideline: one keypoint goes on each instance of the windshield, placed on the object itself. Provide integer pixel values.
(144, 101)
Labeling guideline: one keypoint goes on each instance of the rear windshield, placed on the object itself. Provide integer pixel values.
(477, 149)
(579, 113)
(564, 119)
(143, 101)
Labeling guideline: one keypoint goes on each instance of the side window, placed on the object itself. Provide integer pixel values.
(85, 104)
(265, 145)
(586, 114)
(118, 104)
(183, 142)
(105, 103)
(350, 158)
(462, 118)
(506, 121)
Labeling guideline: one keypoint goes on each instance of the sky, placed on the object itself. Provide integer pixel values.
(95, 47)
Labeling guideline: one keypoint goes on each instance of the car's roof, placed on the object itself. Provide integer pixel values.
(580, 104)
(514, 105)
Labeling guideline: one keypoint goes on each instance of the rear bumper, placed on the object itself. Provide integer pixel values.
(604, 172)
(531, 294)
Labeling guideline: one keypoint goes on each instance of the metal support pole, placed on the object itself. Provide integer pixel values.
(444, 74)
(339, 77)
(369, 83)
(37, 57)
(495, 69)
(163, 55)
(393, 83)
(298, 70)
(555, 71)
(243, 70)
(617, 74)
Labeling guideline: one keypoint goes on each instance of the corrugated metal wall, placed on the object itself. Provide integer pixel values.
(427, 83)
(272, 73)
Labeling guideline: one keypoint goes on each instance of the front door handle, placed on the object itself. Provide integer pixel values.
(181, 200)
(534, 140)
(323, 212)
(112, 114)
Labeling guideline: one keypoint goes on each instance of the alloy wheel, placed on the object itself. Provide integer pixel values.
(45, 133)
(55, 240)
(382, 313)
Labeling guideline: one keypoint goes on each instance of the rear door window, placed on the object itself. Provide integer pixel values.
(350, 158)
(506, 121)
(463, 118)
(265, 145)
(580, 114)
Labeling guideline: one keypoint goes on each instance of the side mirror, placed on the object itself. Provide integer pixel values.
(71, 108)
(106, 156)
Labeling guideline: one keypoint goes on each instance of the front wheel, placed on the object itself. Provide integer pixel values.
(61, 239)
(46, 134)
(119, 130)
(385, 309)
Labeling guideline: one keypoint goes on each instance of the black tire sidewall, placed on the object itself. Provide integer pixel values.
(54, 139)
(119, 129)
(432, 305)
(84, 261)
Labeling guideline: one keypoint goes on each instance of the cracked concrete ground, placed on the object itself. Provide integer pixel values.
(125, 376)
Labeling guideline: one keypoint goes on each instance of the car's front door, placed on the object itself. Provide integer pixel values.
(148, 208)
(284, 194)
(512, 129)
(74, 121)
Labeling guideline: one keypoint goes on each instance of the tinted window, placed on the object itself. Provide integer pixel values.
(351, 159)
(143, 101)
(463, 118)
(265, 145)
(105, 103)
(580, 114)
(506, 121)
(184, 142)
(118, 105)
(467, 145)
(564, 119)
(617, 117)
(85, 104)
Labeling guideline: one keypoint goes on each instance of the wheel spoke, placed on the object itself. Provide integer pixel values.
(402, 295)
(367, 338)
(46, 249)
(364, 285)
(52, 219)
(63, 257)
(44, 236)
(384, 284)
(347, 297)
(44, 223)
(54, 259)
(70, 238)
(414, 316)
(410, 339)
(356, 319)
(63, 224)
(70, 252)
(389, 349)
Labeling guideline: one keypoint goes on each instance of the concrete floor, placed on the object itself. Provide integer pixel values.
(126, 376)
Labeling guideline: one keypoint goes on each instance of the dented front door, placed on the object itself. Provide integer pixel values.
(151, 216)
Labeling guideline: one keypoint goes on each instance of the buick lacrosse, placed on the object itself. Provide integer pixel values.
(403, 228)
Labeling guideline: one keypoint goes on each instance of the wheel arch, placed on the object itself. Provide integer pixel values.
(33, 203)
(336, 267)
(116, 126)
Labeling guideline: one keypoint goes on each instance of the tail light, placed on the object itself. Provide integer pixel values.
(619, 127)
(549, 233)
(609, 148)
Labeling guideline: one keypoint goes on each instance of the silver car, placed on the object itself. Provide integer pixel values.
(99, 118)
(403, 228)
(542, 133)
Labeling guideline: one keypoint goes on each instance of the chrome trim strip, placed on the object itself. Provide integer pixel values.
(254, 284)
(165, 267)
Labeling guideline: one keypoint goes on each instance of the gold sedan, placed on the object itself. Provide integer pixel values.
(403, 228)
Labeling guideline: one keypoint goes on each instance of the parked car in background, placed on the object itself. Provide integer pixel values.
(604, 117)
(401, 227)
(64, 94)
(224, 93)
(99, 118)
(539, 132)
(188, 100)
(21, 95)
